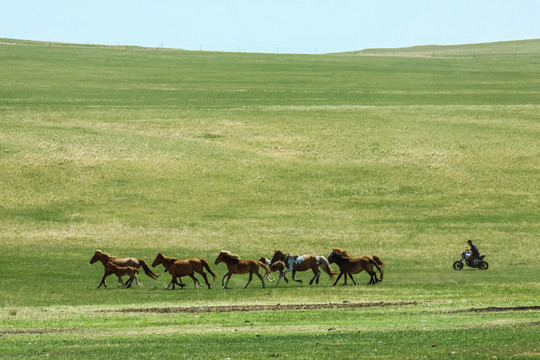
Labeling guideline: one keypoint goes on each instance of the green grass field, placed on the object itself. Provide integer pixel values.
(136, 151)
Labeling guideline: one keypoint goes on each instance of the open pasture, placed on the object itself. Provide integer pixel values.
(137, 151)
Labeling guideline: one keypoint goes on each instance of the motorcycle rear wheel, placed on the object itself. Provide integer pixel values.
(458, 265)
(483, 265)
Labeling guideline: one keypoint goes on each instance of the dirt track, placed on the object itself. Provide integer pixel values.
(277, 307)
(500, 309)
(296, 307)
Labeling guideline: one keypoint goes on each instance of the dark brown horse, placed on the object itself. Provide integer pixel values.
(235, 265)
(186, 267)
(349, 265)
(133, 262)
(296, 263)
(120, 271)
(277, 266)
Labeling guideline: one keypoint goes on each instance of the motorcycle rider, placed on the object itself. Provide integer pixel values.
(475, 254)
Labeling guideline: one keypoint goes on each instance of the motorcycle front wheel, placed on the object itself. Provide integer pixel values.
(483, 265)
(458, 265)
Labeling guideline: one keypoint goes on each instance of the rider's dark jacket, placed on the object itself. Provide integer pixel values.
(474, 251)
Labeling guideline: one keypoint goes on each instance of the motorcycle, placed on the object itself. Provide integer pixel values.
(479, 263)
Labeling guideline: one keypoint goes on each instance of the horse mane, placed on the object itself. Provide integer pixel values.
(342, 252)
(103, 253)
(230, 255)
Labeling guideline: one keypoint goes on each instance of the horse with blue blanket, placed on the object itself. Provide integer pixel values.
(306, 262)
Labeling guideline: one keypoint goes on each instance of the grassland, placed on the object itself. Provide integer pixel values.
(135, 151)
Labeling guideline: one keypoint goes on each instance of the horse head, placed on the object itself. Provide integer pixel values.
(226, 257)
(337, 257)
(97, 256)
(278, 255)
(219, 258)
(332, 257)
(158, 260)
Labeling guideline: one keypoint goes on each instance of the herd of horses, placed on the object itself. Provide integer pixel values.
(281, 262)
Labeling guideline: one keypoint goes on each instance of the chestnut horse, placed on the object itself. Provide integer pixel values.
(186, 267)
(121, 271)
(235, 265)
(374, 259)
(277, 266)
(296, 263)
(133, 262)
(349, 265)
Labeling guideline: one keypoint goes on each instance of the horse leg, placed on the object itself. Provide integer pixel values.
(262, 279)
(175, 281)
(121, 282)
(205, 279)
(293, 276)
(371, 281)
(228, 278)
(339, 276)
(316, 275)
(179, 282)
(354, 282)
(285, 274)
(223, 279)
(107, 273)
(249, 280)
(129, 282)
(280, 276)
(136, 281)
(195, 281)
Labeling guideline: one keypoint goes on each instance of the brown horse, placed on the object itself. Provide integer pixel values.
(235, 265)
(277, 266)
(374, 259)
(121, 271)
(296, 263)
(186, 267)
(178, 281)
(133, 262)
(349, 265)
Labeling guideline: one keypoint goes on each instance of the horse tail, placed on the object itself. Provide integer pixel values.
(326, 266)
(207, 267)
(375, 263)
(265, 267)
(147, 270)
